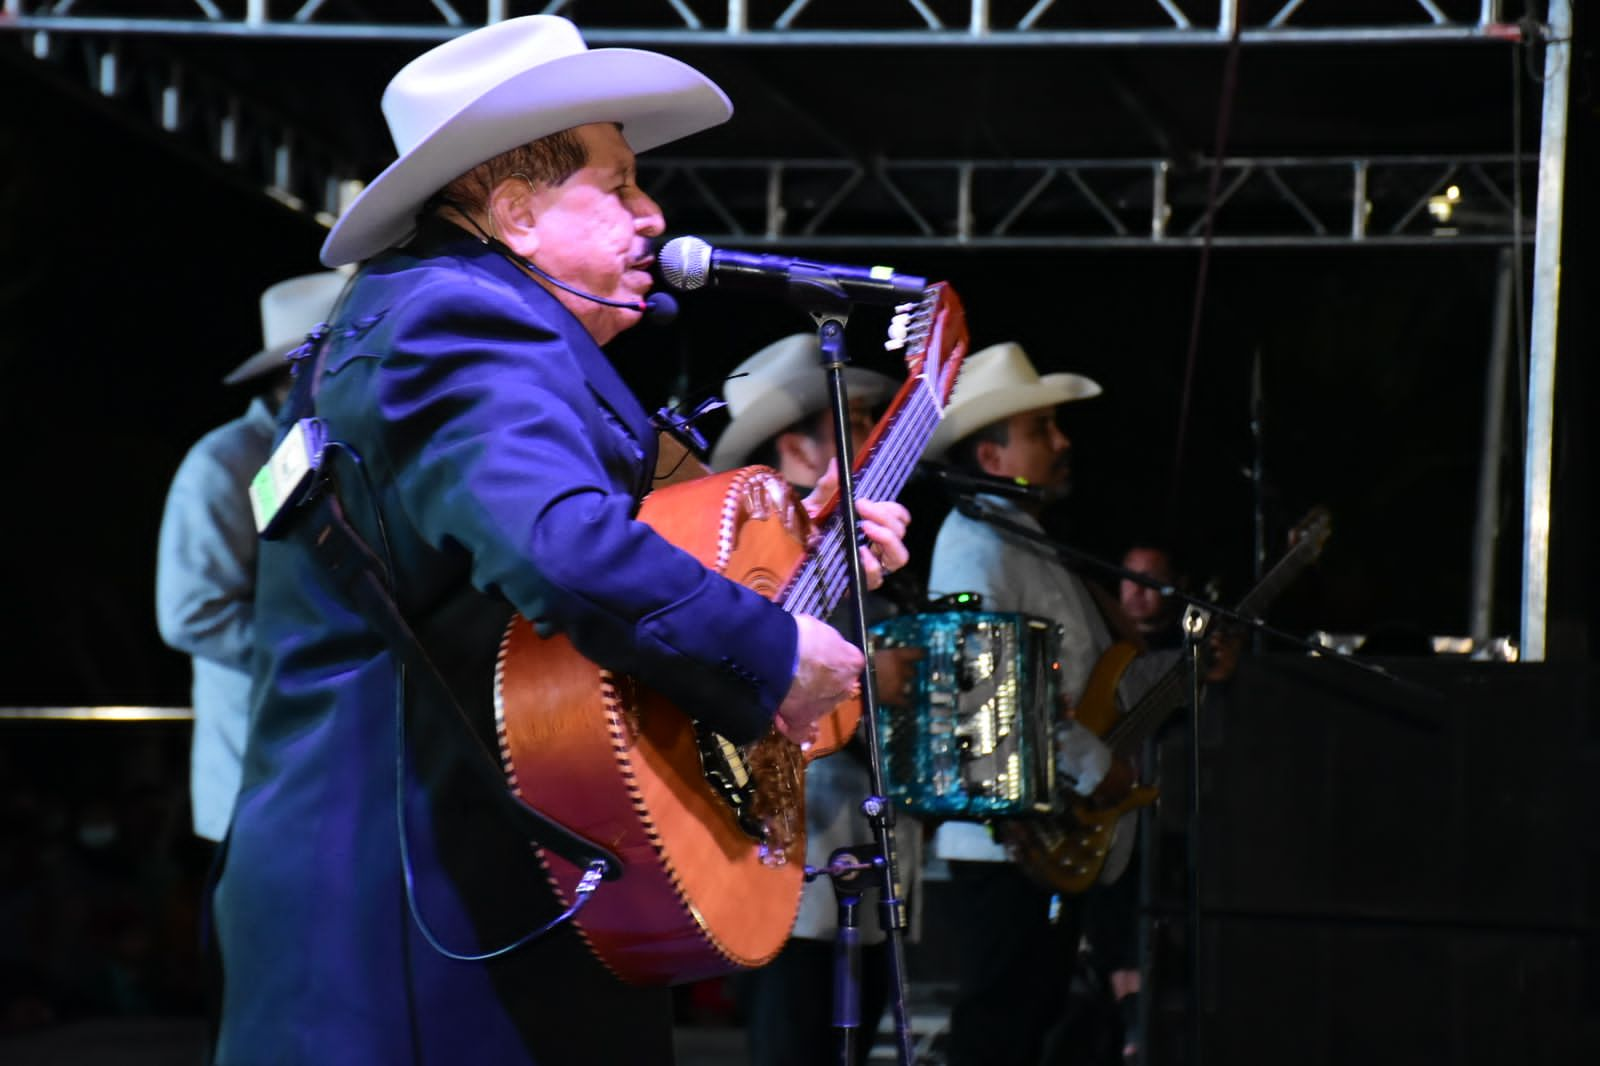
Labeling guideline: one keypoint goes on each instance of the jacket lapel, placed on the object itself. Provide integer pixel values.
(434, 234)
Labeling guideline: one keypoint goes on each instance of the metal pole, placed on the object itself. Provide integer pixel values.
(1486, 532)
(1227, 18)
(1542, 347)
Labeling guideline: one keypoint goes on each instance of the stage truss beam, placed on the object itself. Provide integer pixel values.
(888, 23)
(1278, 201)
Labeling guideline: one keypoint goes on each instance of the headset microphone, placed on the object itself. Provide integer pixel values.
(658, 309)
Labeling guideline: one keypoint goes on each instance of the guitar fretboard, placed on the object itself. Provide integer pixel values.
(823, 578)
(893, 450)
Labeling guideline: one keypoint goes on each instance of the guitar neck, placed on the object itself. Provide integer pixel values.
(1172, 690)
(890, 456)
(934, 333)
(1169, 693)
(1285, 570)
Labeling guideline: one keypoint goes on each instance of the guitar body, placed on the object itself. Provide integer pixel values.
(711, 836)
(1097, 707)
(615, 762)
(1068, 851)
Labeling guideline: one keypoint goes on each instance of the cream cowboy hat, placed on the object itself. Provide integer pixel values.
(505, 85)
(997, 383)
(777, 387)
(289, 310)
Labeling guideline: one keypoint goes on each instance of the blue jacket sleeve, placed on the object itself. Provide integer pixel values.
(499, 446)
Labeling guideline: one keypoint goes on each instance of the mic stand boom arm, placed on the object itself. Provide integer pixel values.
(975, 508)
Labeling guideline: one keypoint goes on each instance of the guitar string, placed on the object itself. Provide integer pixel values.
(824, 575)
(888, 468)
(822, 572)
(1130, 731)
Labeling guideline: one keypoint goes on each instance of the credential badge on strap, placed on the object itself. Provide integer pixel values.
(284, 483)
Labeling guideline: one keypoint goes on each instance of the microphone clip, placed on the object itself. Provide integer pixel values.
(680, 426)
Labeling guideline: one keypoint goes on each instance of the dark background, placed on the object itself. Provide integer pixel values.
(134, 267)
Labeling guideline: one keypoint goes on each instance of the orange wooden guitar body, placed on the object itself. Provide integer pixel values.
(615, 762)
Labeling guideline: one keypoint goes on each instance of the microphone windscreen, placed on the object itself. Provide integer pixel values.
(685, 263)
(660, 309)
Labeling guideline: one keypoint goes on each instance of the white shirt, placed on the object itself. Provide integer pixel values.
(205, 601)
(1013, 573)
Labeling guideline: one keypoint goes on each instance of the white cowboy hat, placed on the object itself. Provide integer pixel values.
(996, 383)
(777, 387)
(289, 310)
(505, 85)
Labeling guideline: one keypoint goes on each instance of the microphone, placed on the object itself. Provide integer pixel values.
(689, 263)
(964, 483)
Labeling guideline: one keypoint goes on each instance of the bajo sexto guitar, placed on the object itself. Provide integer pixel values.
(1072, 849)
(711, 835)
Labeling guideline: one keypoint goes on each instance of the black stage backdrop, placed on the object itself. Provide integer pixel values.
(130, 285)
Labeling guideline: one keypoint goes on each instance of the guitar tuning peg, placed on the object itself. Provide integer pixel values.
(905, 309)
(899, 325)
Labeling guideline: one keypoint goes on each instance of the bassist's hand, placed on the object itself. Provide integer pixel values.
(829, 672)
(1115, 786)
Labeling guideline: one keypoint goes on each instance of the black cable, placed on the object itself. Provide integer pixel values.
(586, 884)
(1225, 102)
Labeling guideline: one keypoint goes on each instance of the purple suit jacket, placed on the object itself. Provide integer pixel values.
(503, 462)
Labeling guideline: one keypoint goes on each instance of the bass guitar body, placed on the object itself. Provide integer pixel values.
(1069, 852)
(616, 762)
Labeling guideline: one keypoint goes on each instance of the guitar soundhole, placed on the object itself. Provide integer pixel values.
(763, 581)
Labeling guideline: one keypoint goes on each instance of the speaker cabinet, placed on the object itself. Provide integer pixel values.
(1389, 871)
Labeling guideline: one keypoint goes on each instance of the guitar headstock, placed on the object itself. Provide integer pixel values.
(933, 331)
(1311, 533)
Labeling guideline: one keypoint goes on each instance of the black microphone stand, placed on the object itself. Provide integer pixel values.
(830, 309)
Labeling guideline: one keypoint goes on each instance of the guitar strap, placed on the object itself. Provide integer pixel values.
(364, 577)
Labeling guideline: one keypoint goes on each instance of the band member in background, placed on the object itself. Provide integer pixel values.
(1014, 962)
(1154, 614)
(501, 463)
(778, 400)
(206, 557)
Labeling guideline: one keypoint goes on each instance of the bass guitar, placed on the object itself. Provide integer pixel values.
(1081, 844)
(711, 834)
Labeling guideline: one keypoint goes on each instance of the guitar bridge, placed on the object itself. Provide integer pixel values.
(762, 784)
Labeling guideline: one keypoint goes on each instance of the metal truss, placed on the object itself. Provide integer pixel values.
(799, 23)
(1261, 202)
(958, 203)
(214, 120)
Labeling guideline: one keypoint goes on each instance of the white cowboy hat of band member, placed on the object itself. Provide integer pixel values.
(777, 387)
(996, 383)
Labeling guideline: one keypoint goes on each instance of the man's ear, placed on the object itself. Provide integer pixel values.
(796, 459)
(988, 455)
(514, 215)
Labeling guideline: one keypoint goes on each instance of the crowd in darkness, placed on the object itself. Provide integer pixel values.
(99, 874)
